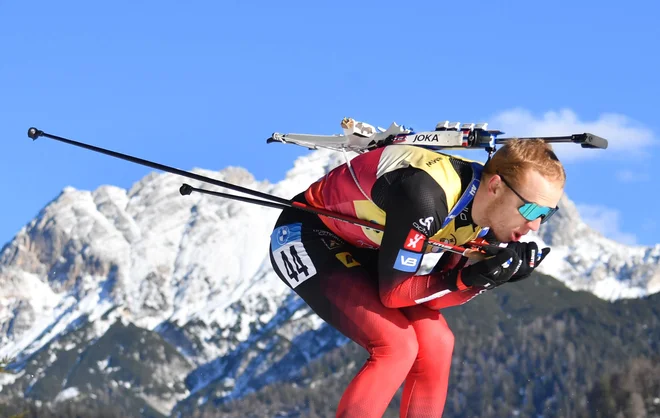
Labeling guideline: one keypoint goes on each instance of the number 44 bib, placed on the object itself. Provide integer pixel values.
(290, 254)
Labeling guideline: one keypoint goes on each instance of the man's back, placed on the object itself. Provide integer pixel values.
(362, 187)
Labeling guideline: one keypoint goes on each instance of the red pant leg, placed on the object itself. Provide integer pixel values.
(384, 332)
(425, 390)
(337, 281)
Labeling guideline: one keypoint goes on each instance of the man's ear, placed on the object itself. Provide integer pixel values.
(494, 183)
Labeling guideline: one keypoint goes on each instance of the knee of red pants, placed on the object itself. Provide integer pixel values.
(435, 359)
(434, 338)
(401, 347)
(357, 312)
(436, 352)
(391, 359)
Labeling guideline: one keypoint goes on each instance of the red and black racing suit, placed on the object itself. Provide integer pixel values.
(368, 290)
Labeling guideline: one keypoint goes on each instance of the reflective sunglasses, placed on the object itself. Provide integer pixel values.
(530, 210)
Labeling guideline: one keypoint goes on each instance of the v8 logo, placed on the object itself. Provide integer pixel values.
(407, 261)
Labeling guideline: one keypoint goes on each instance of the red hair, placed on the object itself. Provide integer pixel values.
(517, 156)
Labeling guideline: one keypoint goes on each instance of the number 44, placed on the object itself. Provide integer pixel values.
(292, 270)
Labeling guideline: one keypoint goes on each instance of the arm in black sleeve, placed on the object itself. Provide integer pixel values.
(415, 207)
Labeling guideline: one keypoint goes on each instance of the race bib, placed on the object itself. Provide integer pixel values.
(290, 254)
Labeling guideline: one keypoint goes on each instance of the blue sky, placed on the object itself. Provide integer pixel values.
(204, 83)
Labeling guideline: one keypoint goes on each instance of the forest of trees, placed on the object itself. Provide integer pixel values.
(633, 392)
(534, 350)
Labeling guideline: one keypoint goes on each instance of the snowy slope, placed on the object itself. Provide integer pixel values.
(195, 270)
(585, 260)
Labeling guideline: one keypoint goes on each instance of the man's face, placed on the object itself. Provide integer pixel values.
(506, 222)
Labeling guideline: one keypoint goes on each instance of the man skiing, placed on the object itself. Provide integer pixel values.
(364, 283)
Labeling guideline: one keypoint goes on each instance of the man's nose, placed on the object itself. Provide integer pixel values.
(534, 225)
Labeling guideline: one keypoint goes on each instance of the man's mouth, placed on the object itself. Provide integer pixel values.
(515, 236)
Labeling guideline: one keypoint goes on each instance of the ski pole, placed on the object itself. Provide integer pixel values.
(187, 189)
(275, 201)
(35, 133)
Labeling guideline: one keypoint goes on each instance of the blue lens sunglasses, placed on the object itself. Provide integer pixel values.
(530, 210)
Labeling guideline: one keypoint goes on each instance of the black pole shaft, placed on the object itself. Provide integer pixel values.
(568, 138)
(586, 140)
(186, 189)
(34, 133)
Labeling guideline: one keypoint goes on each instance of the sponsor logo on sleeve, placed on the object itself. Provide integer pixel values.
(426, 221)
(407, 261)
(424, 224)
(414, 241)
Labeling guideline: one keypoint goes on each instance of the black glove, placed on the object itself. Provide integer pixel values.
(500, 266)
(531, 257)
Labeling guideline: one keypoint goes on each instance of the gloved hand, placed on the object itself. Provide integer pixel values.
(531, 257)
(500, 266)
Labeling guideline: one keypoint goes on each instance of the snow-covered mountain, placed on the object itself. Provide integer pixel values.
(584, 259)
(193, 272)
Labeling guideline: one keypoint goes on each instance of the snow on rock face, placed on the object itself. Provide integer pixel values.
(196, 267)
(149, 250)
(586, 260)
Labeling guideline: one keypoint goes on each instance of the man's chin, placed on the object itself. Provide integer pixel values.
(502, 237)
